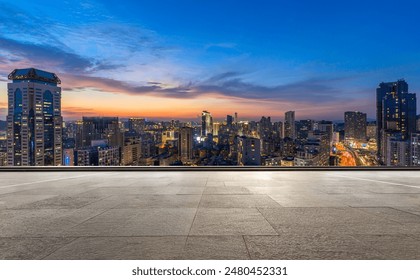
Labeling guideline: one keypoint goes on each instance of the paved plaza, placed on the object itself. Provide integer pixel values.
(210, 215)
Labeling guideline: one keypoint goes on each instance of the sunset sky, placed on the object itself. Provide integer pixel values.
(173, 59)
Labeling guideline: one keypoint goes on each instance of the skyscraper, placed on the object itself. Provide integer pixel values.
(396, 114)
(289, 125)
(206, 123)
(34, 121)
(355, 125)
(229, 121)
(185, 146)
(102, 128)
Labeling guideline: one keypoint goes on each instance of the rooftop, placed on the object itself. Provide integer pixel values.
(210, 215)
(34, 74)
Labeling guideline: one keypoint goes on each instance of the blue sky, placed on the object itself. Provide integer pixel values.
(172, 59)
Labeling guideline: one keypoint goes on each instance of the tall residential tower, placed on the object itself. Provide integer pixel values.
(289, 125)
(355, 125)
(396, 115)
(206, 124)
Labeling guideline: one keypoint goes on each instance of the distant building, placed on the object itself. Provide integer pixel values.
(216, 127)
(131, 152)
(415, 149)
(397, 151)
(371, 130)
(97, 156)
(229, 121)
(185, 146)
(169, 135)
(303, 127)
(278, 129)
(34, 121)
(315, 151)
(328, 128)
(68, 157)
(99, 128)
(136, 125)
(355, 126)
(249, 151)
(396, 117)
(289, 125)
(206, 124)
(3, 158)
(418, 123)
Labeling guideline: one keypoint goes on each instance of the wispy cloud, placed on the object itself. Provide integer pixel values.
(46, 56)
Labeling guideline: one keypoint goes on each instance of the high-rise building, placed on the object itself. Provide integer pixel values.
(289, 125)
(249, 151)
(355, 125)
(397, 151)
(278, 130)
(102, 128)
(185, 146)
(303, 127)
(229, 121)
(371, 130)
(206, 123)
(131, 152)
(136, 125)
(34, 121)
(395, 113)
(216, 127)
(415, 149)
(328, 128)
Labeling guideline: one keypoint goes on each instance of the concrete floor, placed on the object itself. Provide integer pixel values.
(210, 215)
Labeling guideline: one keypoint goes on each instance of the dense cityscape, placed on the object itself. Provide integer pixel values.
(35, 134)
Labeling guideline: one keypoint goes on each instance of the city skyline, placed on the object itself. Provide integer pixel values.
(36, 135)
(172, 61)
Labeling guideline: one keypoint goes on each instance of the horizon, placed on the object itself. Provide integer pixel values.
(173, 60)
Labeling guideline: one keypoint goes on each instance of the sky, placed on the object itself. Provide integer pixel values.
(174, 59)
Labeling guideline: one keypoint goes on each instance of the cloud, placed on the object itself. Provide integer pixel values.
(225, 85)
(52, 57)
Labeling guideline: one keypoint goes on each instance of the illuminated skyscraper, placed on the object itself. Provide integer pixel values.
(34, 121)
(185, 146)
(289, 125)
(102, 128)
(355, 125)
(396, 114)
(206, 123)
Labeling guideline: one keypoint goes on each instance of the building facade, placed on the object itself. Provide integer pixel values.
(206, 124)
(34, 121)
(289, 125)
(185, 146)
(101, 128)
(355, 125)
(396, 115)
(249, 151)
